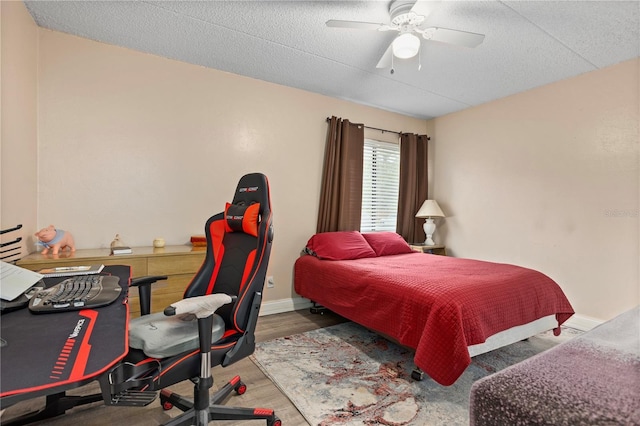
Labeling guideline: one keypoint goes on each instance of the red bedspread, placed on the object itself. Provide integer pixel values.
(437, 305)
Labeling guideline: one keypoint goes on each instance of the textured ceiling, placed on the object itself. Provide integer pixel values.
(527, 44)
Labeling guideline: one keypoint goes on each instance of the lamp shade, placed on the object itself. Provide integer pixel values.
(406, 46)
(430, 208)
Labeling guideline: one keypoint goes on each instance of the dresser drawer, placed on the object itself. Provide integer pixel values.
(138, 266)
(176, 264)
(163, 293)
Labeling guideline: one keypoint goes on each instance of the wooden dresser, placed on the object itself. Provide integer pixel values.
(179, 263)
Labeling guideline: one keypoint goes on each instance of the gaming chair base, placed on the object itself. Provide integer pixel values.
(214, 411)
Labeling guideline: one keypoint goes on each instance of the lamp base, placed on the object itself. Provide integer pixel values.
(429, 228)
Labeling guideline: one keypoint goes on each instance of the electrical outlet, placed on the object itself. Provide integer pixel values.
(270, 283)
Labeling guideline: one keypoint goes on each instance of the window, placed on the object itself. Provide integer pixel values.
(380, 183)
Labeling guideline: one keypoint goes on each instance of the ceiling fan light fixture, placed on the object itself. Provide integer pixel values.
(406, 46)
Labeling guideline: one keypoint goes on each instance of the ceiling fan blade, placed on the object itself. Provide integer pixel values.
(456, 37)
(424, 7)
(385, 61)
(336, 23)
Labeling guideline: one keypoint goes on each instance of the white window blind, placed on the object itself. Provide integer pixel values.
(380, 183)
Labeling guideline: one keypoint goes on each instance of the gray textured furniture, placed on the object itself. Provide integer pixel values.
(593, 379)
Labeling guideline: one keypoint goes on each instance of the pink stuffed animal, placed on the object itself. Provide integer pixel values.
(55, 239)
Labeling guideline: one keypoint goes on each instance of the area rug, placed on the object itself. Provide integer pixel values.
(348, 375)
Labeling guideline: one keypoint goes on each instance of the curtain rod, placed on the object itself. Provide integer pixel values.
(381, 130)
(374, 128)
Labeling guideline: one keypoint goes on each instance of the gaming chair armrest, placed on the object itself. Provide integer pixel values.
(200, 306)
(203, 307)
(144, 290)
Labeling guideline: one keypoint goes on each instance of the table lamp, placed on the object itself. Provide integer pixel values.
(429, 210)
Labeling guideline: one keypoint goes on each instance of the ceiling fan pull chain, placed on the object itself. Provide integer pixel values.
(392, 69)
(419, 60)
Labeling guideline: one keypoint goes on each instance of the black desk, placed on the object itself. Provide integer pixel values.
(47, 354)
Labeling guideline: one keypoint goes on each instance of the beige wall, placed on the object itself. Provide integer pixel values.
(549, 179)
(145, 146)
(18, 122)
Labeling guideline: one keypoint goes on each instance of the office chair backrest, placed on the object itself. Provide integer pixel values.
(238, 248)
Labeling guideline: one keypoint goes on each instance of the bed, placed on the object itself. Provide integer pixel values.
(591, 379)
(447, 309)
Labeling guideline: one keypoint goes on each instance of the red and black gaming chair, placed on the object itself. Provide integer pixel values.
(188, 339)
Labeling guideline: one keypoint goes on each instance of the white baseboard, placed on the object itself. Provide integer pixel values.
(582, 322)
(284, 305)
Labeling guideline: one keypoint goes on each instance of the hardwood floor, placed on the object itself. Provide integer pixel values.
(261, 392)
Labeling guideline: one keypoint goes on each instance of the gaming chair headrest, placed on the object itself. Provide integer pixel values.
(253, 188)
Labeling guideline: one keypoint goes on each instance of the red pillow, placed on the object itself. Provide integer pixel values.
(340, 245)
(238, 218)
(387, 243)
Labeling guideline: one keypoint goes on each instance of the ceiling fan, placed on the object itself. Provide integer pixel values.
(407, 17)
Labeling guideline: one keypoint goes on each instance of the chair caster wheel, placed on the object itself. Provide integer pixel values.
(164, 400)
(275, 422)
(417, 375)
(240, 388)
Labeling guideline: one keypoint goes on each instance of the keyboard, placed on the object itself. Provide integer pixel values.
(81, 292)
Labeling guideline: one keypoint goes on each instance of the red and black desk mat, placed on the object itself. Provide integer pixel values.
(53, 352)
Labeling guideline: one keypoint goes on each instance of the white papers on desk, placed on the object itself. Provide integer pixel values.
(15, 280)
(70, 271)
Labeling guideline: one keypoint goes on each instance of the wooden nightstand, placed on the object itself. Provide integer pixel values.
(437, 249)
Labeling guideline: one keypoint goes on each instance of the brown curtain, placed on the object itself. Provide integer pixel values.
(341, 191)
(413, 186)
